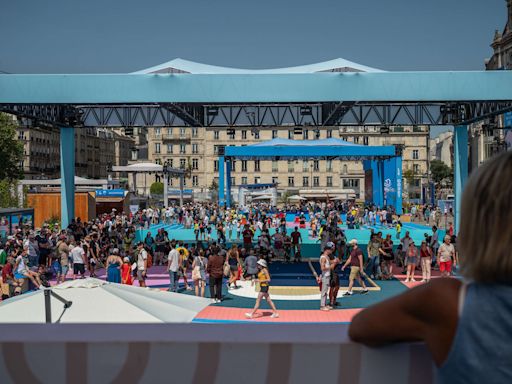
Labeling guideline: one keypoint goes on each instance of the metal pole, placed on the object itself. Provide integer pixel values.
(47, 306)
(181, 189)
(67, 175)
(166, 190)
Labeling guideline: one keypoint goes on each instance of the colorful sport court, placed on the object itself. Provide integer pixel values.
(294, 292)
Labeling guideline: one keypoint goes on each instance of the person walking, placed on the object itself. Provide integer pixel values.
(426, 262)
(114, 263)
(173, 267)
(126, 272)
(446, 256)
(199, 273)
(233, 260)
(325, 276)
(356, 267)
(142, 264)
(264, 281)
(79, 260)
(215, 271)
(411, 261)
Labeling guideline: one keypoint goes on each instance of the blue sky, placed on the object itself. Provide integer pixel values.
(116, 36)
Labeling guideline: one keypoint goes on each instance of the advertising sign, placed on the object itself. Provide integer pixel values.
(110, 193)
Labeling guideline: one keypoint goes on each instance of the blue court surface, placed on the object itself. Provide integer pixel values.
(310, 246)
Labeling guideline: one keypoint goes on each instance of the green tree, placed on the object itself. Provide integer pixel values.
(8, 194)
(11, 150)
(157, 188)
(214, 190)
(440, 171)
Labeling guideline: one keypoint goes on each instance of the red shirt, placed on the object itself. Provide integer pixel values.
(354, 257)
(6, 272)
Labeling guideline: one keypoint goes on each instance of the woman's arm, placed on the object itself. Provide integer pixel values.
(416, 315)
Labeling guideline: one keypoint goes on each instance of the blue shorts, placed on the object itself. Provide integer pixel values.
(19, 276)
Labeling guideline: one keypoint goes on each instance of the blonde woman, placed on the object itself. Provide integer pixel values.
(465, 324)
(233, 260)
(199, 273)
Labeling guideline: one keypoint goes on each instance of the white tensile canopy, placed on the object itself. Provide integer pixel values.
(96, 301)
(296, 197)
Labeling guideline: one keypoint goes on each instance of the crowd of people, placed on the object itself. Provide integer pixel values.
(246, 240)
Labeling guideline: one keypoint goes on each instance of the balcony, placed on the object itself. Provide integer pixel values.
(177, 137)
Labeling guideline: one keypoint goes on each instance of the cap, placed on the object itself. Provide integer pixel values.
(329, 245)
(126, 259)
(353, 241)
(263, 263)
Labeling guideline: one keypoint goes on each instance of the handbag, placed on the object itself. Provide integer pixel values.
(227, 269)
(196, 273)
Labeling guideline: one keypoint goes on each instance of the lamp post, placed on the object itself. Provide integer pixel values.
(166, 183)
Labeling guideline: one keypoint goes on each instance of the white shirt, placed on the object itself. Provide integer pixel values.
(143, 255)
(77, 254)
(174, 260)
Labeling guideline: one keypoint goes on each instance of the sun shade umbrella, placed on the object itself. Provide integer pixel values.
(96, 301)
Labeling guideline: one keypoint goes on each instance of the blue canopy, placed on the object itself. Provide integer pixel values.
(285, 149)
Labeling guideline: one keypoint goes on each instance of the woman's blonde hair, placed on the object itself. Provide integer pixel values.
(485, 238)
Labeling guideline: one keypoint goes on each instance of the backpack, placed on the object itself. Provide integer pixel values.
(149, 261)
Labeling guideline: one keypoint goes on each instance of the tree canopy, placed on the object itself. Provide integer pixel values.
(11, 150)
(157, 188)
(440, 171)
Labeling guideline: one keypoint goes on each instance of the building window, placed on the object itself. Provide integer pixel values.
(350, 183)
(365, 140)
(305, 166)
(183, 148)
(290, 135)
(345, 169)
(244, 165)
(215, 135)
(233, 181)
(316, 181)
(329, 181)
(216, 149)
(274, 166)
(170, 181)
(231, 134)
(233, 165)
(416, 168)
(171, 162)
(329, 133)
(244, 135)
(256, 165)
(244, 180)
(316, 166)
(169, 149)
(158, 161)
(257, 180)
(328, 165)
(169, 131)
(275, 180)
(415, 154)
(291, 168)
(305, 181)
(274, 134)
(305, 134)
(195, 148)
(215, 165)
(195, 181)
(195, 164)
(257, 135)
(356, 139)
(157, 147)
(291, 182)
(194, 131)
(157, 132)
(182, 132)
(183, 163)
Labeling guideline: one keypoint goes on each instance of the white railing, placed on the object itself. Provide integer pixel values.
(203, 353)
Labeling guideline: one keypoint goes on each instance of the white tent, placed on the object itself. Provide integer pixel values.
(296, 198)
(96, 301)
(263, 197)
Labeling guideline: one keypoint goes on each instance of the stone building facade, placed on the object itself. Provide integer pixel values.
(196, 149)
